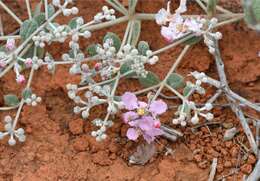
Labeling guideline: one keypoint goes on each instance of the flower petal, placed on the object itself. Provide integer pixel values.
(132, 134)
(142, 104)
(158, 107)
(182, 8)
(167, 33)
(161, 16)
(130, 101)
(129, 116)
(146, 123)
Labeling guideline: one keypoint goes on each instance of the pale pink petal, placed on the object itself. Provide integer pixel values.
(142, 104)
(130, 115)
(132, 134)
(167, 33)
(158, 107)
(130, 101)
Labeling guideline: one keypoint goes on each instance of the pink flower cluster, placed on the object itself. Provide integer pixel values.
(142, 117)
(178, 26)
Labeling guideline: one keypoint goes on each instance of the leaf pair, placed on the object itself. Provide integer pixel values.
(13, 100)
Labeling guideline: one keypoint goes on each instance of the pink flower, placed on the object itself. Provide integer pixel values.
(10, 44)
(20, 79)
(162, 16)
(2, 63)
(28, 62)
(142, 117)
(182, 8)
(98, 66)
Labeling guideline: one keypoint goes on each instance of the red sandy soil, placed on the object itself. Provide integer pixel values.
(59, 145)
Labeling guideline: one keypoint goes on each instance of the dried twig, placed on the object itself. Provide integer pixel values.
(213, 169)
(230, 95)
(255, 175)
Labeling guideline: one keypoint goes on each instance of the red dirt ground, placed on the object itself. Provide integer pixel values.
(59, 145)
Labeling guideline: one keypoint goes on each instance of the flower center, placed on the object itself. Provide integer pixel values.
(141, 111)
(181, 27)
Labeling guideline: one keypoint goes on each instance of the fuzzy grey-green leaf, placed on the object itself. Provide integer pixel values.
(186, 90)
(11, 100)
(131, 6)
(92, 49)
(126, 68)
(143, 46)
(176, 81)
(27, 28)
(115, 39)
(193, 40)
(252, 13)
(135, 32)
(73, 23)
(27, 93)
(151, 79)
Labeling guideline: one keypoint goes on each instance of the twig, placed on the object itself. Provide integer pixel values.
(255, 175)
(235, 108)
(174, 66)
(10, 12)
(213, 169)
(28, 9)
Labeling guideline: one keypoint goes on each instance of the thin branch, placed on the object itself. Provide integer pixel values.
(201, 5)
(213, 169)
(46, 9)
(118, 6)
(1, 27)
(28, 9)
(174, 66)
(10, 12)
(10, 36)
(255, 175)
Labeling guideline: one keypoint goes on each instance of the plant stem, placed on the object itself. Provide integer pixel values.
(174, 66)
(105, 24)
(29, 12)
(201, 5)
(10, 36)
(9, 108)
(10, 12)
(117, 6)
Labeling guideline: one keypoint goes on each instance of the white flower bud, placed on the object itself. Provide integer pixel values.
(65, 57)
(34, 103)
(8, 127)
(209, 116)
(66, 12)
(76, 109)
(56, 2)
(11, 141)
(98, 138)
(20, 131)
(94, 133)
(195, 120)
(8, 119)
(149, 53)
(1, 135)
(218, 35)
(175, 121)
(75, 37)
(87, 34)
(22, 138)
(208, 106)
(74, 10)
(85, 114)
(103, 128)
(103, 136)
(183, 123)
(104, 8)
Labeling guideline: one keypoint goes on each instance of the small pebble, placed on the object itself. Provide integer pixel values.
(230, 133)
